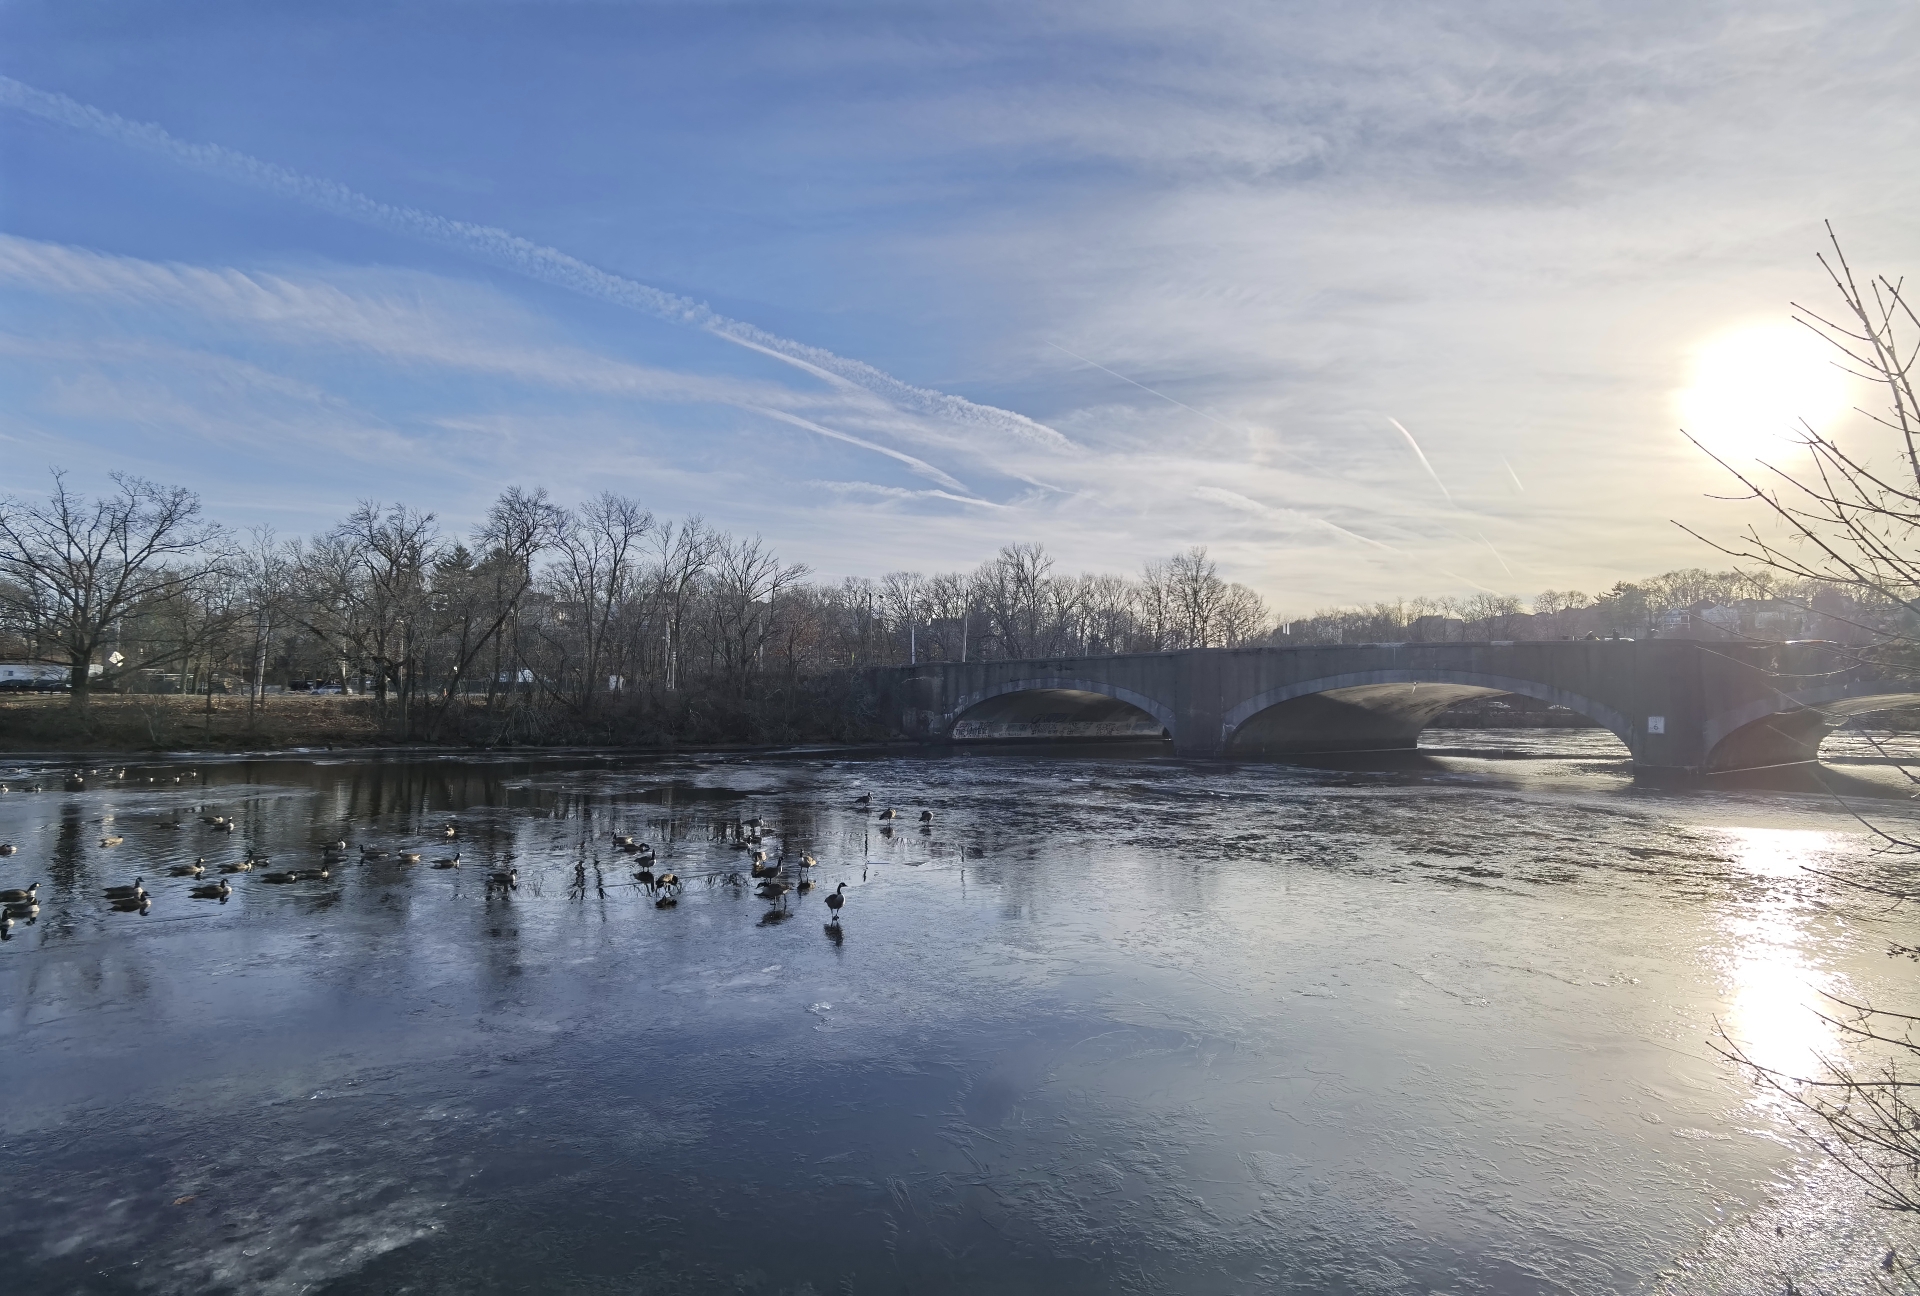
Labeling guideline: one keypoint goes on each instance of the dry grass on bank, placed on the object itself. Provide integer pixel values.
(149, 722)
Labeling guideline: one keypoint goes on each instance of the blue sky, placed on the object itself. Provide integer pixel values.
(878, 281)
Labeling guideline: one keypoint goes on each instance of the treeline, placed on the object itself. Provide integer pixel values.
(1693, 602)
(544, 623)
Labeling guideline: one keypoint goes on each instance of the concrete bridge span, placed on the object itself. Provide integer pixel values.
(1684, 708)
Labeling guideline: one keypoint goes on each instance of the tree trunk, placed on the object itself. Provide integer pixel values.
(79, 679)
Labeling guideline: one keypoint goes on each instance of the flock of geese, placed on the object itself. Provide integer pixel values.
(770, 878)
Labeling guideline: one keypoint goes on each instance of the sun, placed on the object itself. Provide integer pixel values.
(1752, 387)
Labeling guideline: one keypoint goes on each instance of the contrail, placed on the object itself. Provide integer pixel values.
(920, 466)
(1511, 473)
(1163, 396)
(1423, 457)
(1495, 552)
(512, 252)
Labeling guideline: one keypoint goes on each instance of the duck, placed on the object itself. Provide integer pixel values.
(111, 840)
(450, 862)
(22, 895)
(888, 813)
(133, 892)
(837, 900)
(504, 878)
(217, 891)
(8, 848)
(926, 816)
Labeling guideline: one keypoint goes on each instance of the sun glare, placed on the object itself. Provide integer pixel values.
(1751, 388)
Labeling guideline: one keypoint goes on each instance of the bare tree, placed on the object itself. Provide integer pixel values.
(72, 568)
(1851, 521)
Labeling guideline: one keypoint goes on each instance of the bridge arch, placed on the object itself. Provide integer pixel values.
(1370, 710)
(1058, 708)
(1787, 728)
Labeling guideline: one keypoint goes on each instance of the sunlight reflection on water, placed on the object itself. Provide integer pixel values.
(1773, 1013)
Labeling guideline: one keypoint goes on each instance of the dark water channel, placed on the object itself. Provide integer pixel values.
(1114, 1023)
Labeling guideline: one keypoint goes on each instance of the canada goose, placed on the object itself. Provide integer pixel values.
(8, 848)
(808, 861)
(836, 900)
(217, 891)
(409, 857)
(668, 882)
(504, 878)
(6, 926)
(771, 890)
(131, 905)
(644, 850)
(133, 892)
(216, 820)
(21, 895)
(369, 852)
(322, 872)
(760, 870)
(282, 877)
(645, 878)
(244, 866)
(111, 840)
(865, 798)
(758, 857)
(926, 816)
(756, 823)
(28, 909)
(804, 885)
(452, 830)
(194, 869)
(335, 848)
(888, 813)
(623, 840)
(451, 861)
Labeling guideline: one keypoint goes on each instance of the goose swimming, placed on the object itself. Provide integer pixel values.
(18, 895)
(133, 892)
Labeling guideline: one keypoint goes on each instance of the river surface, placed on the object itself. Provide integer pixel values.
(1113, 1022)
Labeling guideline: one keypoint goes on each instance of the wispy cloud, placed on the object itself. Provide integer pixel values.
(510, 251)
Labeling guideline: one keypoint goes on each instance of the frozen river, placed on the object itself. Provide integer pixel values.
(1114, 1023)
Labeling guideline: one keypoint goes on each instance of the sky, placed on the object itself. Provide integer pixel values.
(1371, 300)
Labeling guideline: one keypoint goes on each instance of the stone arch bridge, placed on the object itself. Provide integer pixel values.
(1683, 707)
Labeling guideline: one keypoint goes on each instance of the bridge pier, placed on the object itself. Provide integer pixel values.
(1685, 709)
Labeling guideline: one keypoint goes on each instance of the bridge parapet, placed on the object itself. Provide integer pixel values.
(1682, 707)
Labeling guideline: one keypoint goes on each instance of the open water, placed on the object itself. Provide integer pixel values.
(1113, 1023)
